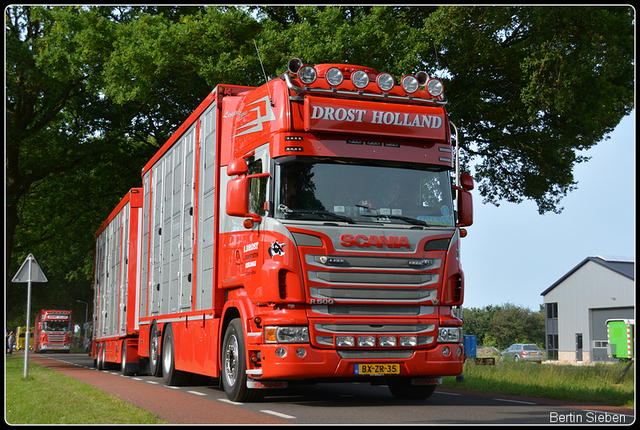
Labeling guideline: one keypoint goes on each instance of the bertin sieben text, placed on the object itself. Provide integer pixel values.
(589, 417)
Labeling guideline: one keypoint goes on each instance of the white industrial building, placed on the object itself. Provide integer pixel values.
(579, 303)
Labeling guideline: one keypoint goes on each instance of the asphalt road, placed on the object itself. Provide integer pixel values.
(340, 403)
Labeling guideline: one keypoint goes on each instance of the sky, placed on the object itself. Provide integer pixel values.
(512, 254)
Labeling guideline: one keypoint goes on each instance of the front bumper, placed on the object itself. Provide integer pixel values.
(53, 347)
(331, 364)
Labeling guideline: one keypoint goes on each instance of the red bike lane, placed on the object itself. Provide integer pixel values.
(173, 406)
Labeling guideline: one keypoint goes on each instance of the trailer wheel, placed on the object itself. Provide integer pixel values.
(234, 366)
(154, 349)
(401, 388)
(123, 364)
(101, 353)
(169, 372)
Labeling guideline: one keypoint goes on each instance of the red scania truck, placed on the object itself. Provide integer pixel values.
(52, 331)
(117, 285)
(306, 230)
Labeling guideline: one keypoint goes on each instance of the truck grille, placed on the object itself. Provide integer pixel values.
(373, 280)
(373, 310)
(374, 295)
(55, 338)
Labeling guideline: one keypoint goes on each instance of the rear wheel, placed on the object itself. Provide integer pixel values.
(401, 388)
(154, 350)
(170, 374)
(234, 366)
(101, 353)
(123, 363)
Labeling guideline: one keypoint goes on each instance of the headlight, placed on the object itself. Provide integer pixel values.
(408, 340)
(410, 84)
(334, 76)
(449, 334)
(307, 75)
(360, 79)
(435, 87)
(292, 334)
(391, 341)
(366, 341)
(345, 341)
(385, 81)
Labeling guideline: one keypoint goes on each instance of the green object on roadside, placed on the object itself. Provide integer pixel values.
(621, 338)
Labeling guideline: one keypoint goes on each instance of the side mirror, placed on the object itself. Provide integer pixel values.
(238, 197)
(466, 181)
(237, 167)
(465, 208)
(465, 201)
(238, 190)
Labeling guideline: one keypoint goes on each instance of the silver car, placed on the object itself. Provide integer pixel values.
(523, 351)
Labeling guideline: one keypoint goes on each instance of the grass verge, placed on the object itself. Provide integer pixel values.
(49, 397)
(588, 384)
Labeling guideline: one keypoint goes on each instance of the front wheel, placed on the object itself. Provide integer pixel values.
(401, 388)
(234, 365)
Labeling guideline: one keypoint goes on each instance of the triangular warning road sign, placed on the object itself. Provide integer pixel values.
(26, 275)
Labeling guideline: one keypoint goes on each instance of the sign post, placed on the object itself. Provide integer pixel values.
(29, 272)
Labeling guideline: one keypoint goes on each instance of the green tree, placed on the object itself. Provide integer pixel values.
(530, 86)
(71, 151)
(505, 324)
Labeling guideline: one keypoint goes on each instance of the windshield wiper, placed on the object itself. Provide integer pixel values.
(407, 219)
(286, 210)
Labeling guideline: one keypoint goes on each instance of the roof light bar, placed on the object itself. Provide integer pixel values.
(361, 78)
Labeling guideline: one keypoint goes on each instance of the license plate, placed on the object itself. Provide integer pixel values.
(377, 369)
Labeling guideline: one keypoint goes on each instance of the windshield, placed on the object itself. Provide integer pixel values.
(56, 326)
(350, 190)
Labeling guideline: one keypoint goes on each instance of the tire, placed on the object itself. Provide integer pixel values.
(234, 366)
(100, 364)
(401, 388)
(123, 361)
(516, 358)
(123, 358)
(154, 352)
(172, 377)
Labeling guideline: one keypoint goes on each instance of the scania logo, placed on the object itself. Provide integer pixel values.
(362, 241)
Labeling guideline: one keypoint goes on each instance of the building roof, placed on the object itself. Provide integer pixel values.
(624, 266)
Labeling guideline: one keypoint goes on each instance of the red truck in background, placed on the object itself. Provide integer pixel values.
(306, 230)
(117, 279)
(52, 331)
